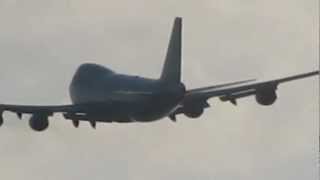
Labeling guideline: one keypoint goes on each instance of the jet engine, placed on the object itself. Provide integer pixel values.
(1, 118)
(39, 122)
(266, 97)
(193, 111)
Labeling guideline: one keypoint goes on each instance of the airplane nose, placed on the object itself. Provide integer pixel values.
(177, 90)
(182, 88)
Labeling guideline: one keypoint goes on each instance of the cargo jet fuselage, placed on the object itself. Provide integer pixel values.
(134, 98)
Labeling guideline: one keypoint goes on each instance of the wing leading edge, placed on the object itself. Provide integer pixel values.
(39, 119)
(28, 109)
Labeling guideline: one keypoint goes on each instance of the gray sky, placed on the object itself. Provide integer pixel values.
(43, 42)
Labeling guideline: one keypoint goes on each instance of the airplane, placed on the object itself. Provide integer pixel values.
(99, 94)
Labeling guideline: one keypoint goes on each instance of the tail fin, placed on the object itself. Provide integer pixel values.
(171, 71)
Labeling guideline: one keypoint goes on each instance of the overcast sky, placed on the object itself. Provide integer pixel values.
(43, 42)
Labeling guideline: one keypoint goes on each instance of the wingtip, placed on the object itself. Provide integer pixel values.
(313, 73)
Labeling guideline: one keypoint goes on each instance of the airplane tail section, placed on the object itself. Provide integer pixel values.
(171, 72)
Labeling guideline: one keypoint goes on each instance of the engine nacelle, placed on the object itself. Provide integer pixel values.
(266, 97)
(39, 122)
(193, 111)
(1, 118)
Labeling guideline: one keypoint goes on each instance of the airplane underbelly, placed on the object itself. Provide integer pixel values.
(155, 111)
(124, 112)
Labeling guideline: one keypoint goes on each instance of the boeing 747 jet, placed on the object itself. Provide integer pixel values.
(99, 94)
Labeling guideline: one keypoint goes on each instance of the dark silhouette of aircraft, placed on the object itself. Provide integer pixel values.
(99, 94)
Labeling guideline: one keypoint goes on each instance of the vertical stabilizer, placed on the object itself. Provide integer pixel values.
(171, 71)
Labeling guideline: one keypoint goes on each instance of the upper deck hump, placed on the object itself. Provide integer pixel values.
(91, 69)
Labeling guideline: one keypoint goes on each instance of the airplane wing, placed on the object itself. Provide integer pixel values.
(72, 108)
(40, 114)
(64, 109)
(196, 99)
(91, 112)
